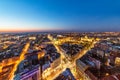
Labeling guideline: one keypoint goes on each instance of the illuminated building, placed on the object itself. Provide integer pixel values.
(81, 67)
(56, 62)
(117, 61)
(32, 38)
(33, 74)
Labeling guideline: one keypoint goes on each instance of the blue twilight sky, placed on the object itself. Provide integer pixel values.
(76, 15)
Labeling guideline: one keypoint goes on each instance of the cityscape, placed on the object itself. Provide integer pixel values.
(59, 40)
(60, 56)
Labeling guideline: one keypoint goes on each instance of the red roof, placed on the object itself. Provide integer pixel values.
(91, 75)
(112, 77)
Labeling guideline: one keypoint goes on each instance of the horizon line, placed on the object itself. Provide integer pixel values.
(30, 31)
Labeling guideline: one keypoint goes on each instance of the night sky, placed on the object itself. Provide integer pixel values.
(69, 15)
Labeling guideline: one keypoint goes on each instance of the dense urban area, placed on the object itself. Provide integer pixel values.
(60, 56)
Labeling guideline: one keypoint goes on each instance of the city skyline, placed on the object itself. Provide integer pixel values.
(69, 15)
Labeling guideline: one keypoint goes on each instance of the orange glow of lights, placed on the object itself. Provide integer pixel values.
(65, 65)
(11, 75)
(107, 74)
(41, 54)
